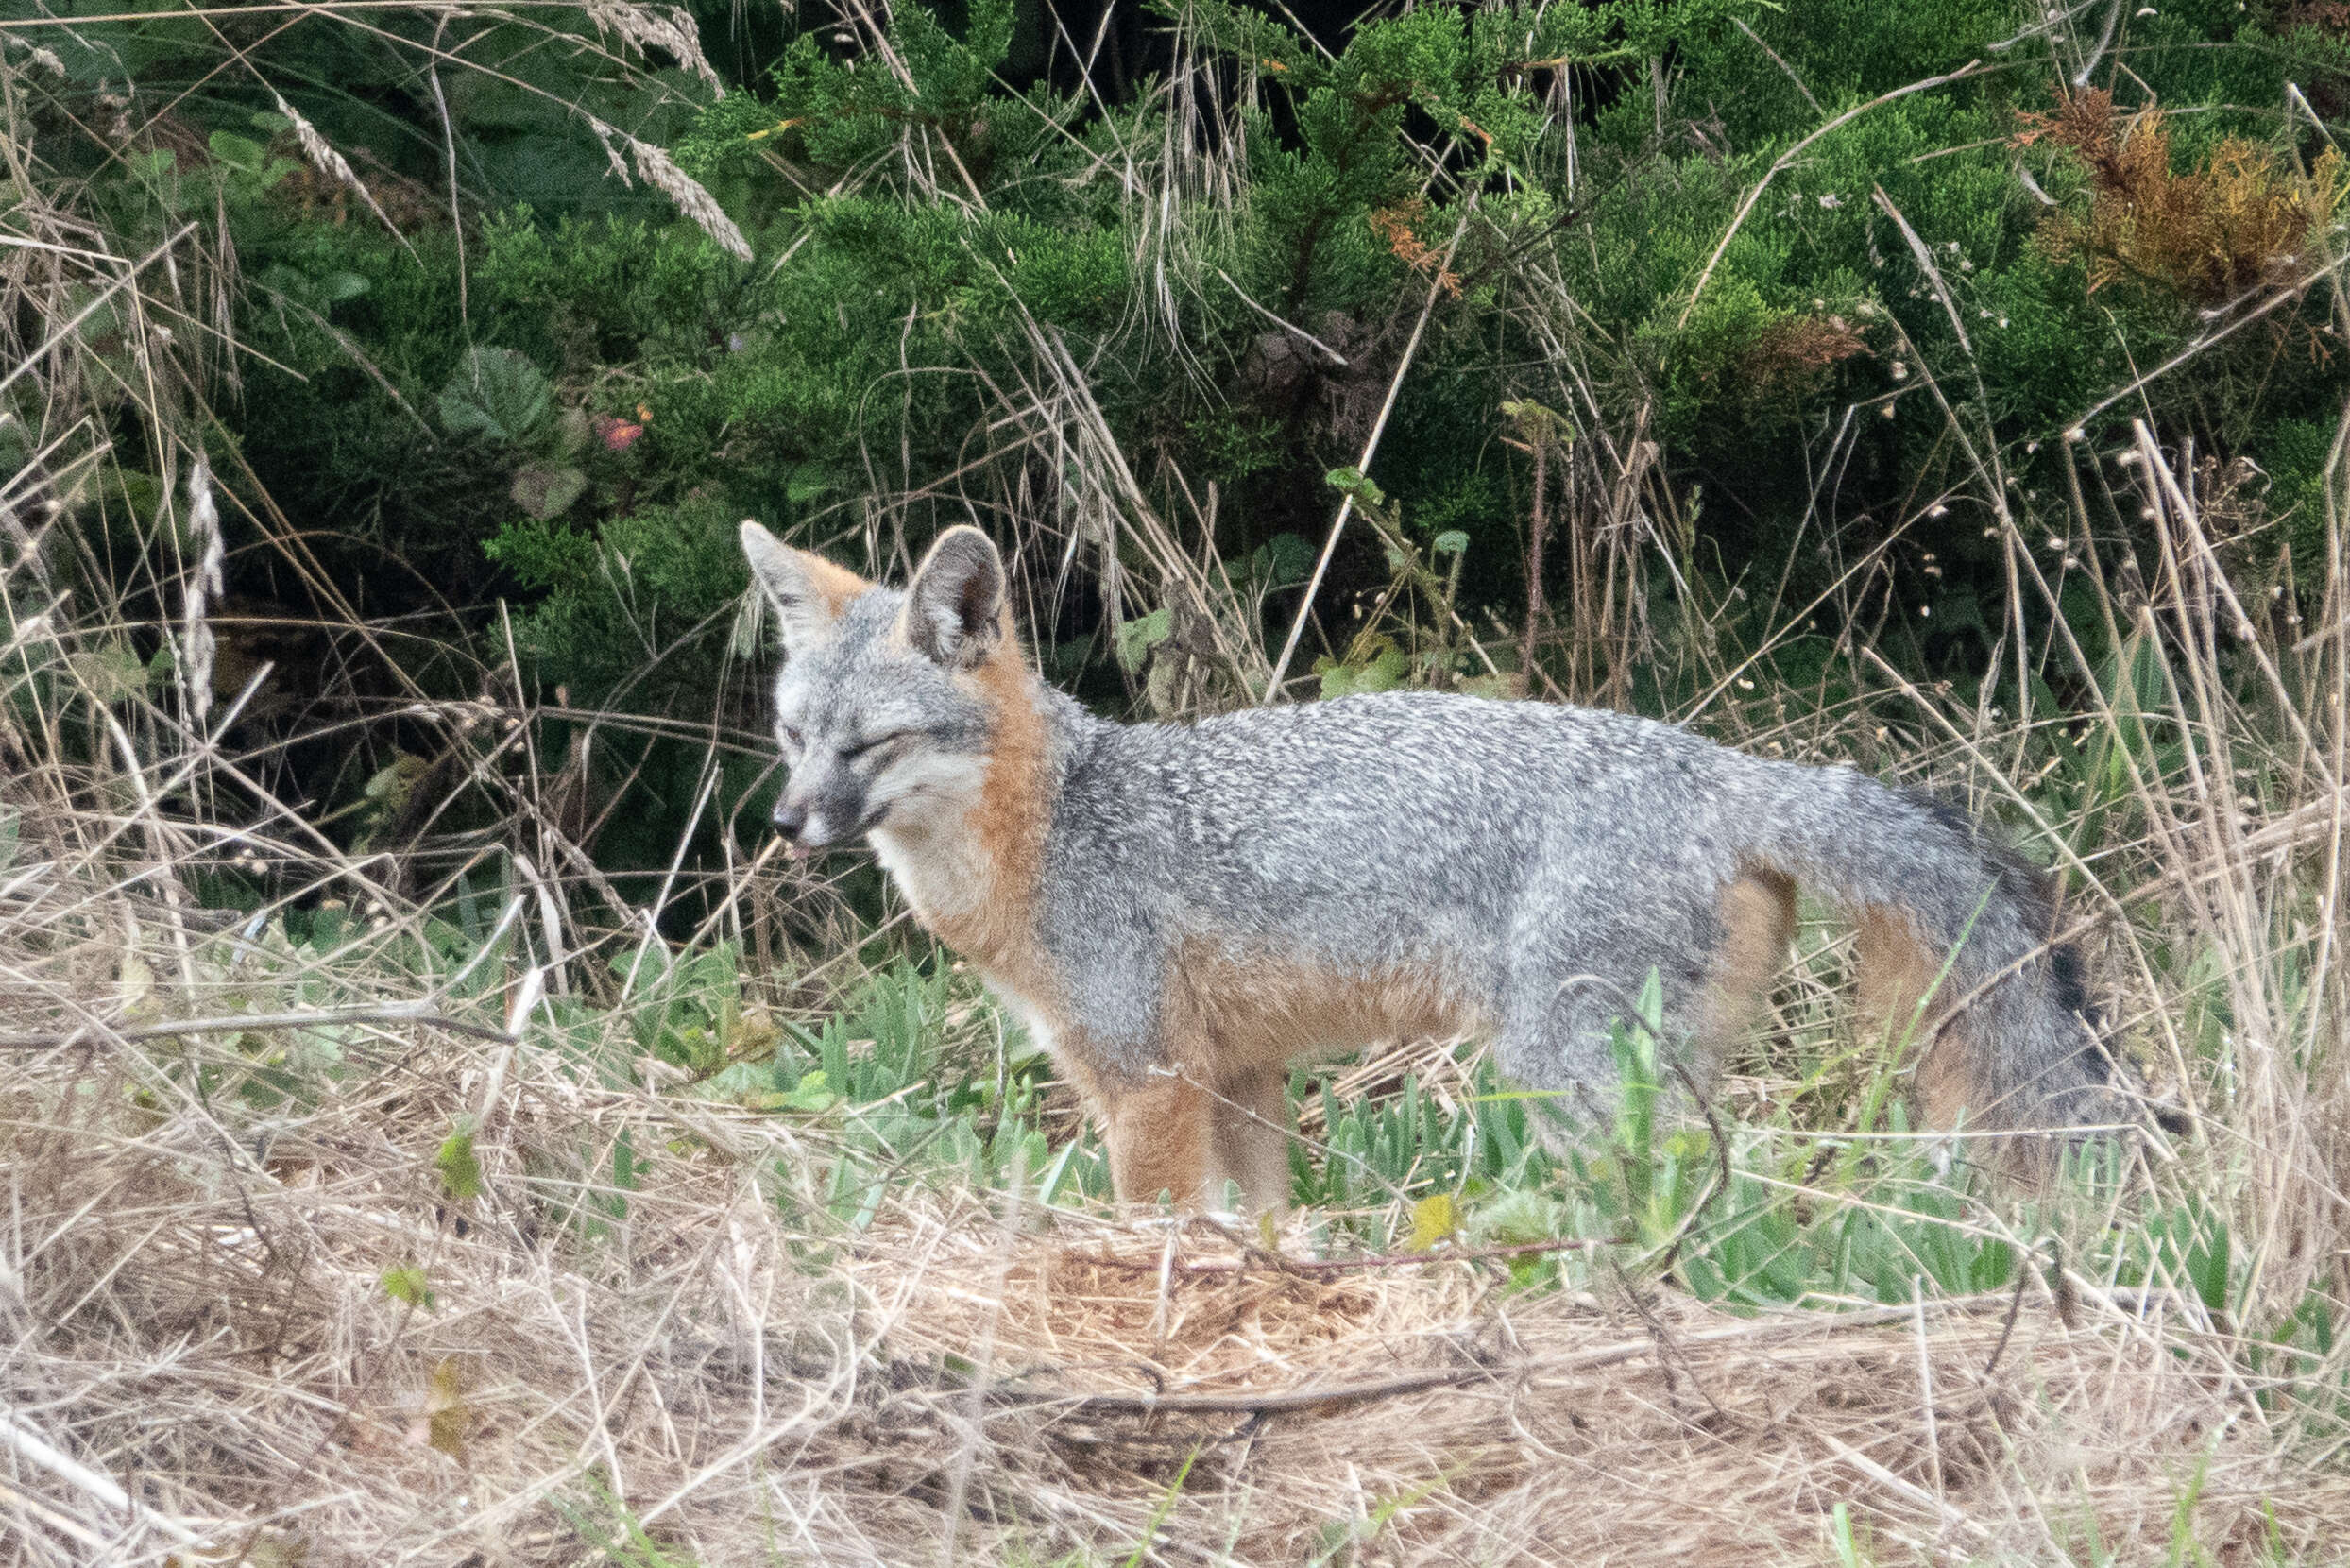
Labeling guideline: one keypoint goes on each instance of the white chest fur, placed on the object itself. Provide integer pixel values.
(938, 864)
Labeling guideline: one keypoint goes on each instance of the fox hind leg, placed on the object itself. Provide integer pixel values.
(1249, 1140)
(1552, 1044)
(1577, 965)
(1756, 915)
(1901, 986)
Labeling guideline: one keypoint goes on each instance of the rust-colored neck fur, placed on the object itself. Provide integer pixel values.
(974, 883)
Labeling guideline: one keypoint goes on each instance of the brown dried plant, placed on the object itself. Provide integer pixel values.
(1789, 357)
(2209, 234)
(1398, 226)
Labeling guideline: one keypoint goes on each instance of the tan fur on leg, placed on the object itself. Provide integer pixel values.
(1249, 1142)
(1157, 1130)
(1758, 915)
(1897, 973)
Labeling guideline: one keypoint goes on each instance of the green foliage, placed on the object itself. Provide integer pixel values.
(406, 1283)
(922, 226)
(2298, 451)
(642, 602)
(523, 129)
(501, 396)
(899, 1087)
(840, 114)
(460, 1169)
(768, 383)
(498, 394)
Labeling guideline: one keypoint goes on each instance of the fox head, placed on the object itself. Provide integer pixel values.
(884, 710)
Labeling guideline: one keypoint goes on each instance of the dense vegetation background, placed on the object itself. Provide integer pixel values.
(1817, 314)
(397, 965)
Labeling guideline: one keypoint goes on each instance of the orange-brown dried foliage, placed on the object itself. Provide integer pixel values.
(1399, 226)
(1790, 354)
(2209, 234)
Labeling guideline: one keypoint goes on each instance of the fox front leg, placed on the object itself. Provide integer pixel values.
(1158, 1129)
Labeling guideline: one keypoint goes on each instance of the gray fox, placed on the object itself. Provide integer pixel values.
(1179, 912)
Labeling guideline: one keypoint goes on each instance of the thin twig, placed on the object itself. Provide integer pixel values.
(1282, 1264)
(391, 1013)
(28, 1444)
(1786, 161)
(1370, 447)
(1287, 325)
(1739, 23)
(1294, 1399)
(2015, 1307)
(1949, 1514)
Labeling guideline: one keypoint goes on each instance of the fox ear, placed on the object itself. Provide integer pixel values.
(954, 606)
(807, 591)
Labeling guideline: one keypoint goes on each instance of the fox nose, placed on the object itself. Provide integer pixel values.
(790, 819)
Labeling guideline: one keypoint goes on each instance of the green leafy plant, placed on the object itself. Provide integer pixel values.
(499, 396)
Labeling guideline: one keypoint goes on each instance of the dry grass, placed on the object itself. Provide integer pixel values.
(196, 1305)
(352, 1277)
(1632, 1424)
(220, 1336)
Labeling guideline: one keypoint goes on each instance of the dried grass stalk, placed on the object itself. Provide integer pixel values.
(330, 163)
(668, 28)
(657, 169)
(197, 643)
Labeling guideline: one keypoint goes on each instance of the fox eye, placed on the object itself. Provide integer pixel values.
(874, 744)
(790, 737)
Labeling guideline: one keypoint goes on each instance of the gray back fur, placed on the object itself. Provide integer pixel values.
(1550, 855)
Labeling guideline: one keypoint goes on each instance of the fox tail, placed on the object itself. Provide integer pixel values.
(1957, 949)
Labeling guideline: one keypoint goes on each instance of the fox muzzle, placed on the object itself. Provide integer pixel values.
(818, 820)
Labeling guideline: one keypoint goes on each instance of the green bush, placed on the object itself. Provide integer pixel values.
(927, 236)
